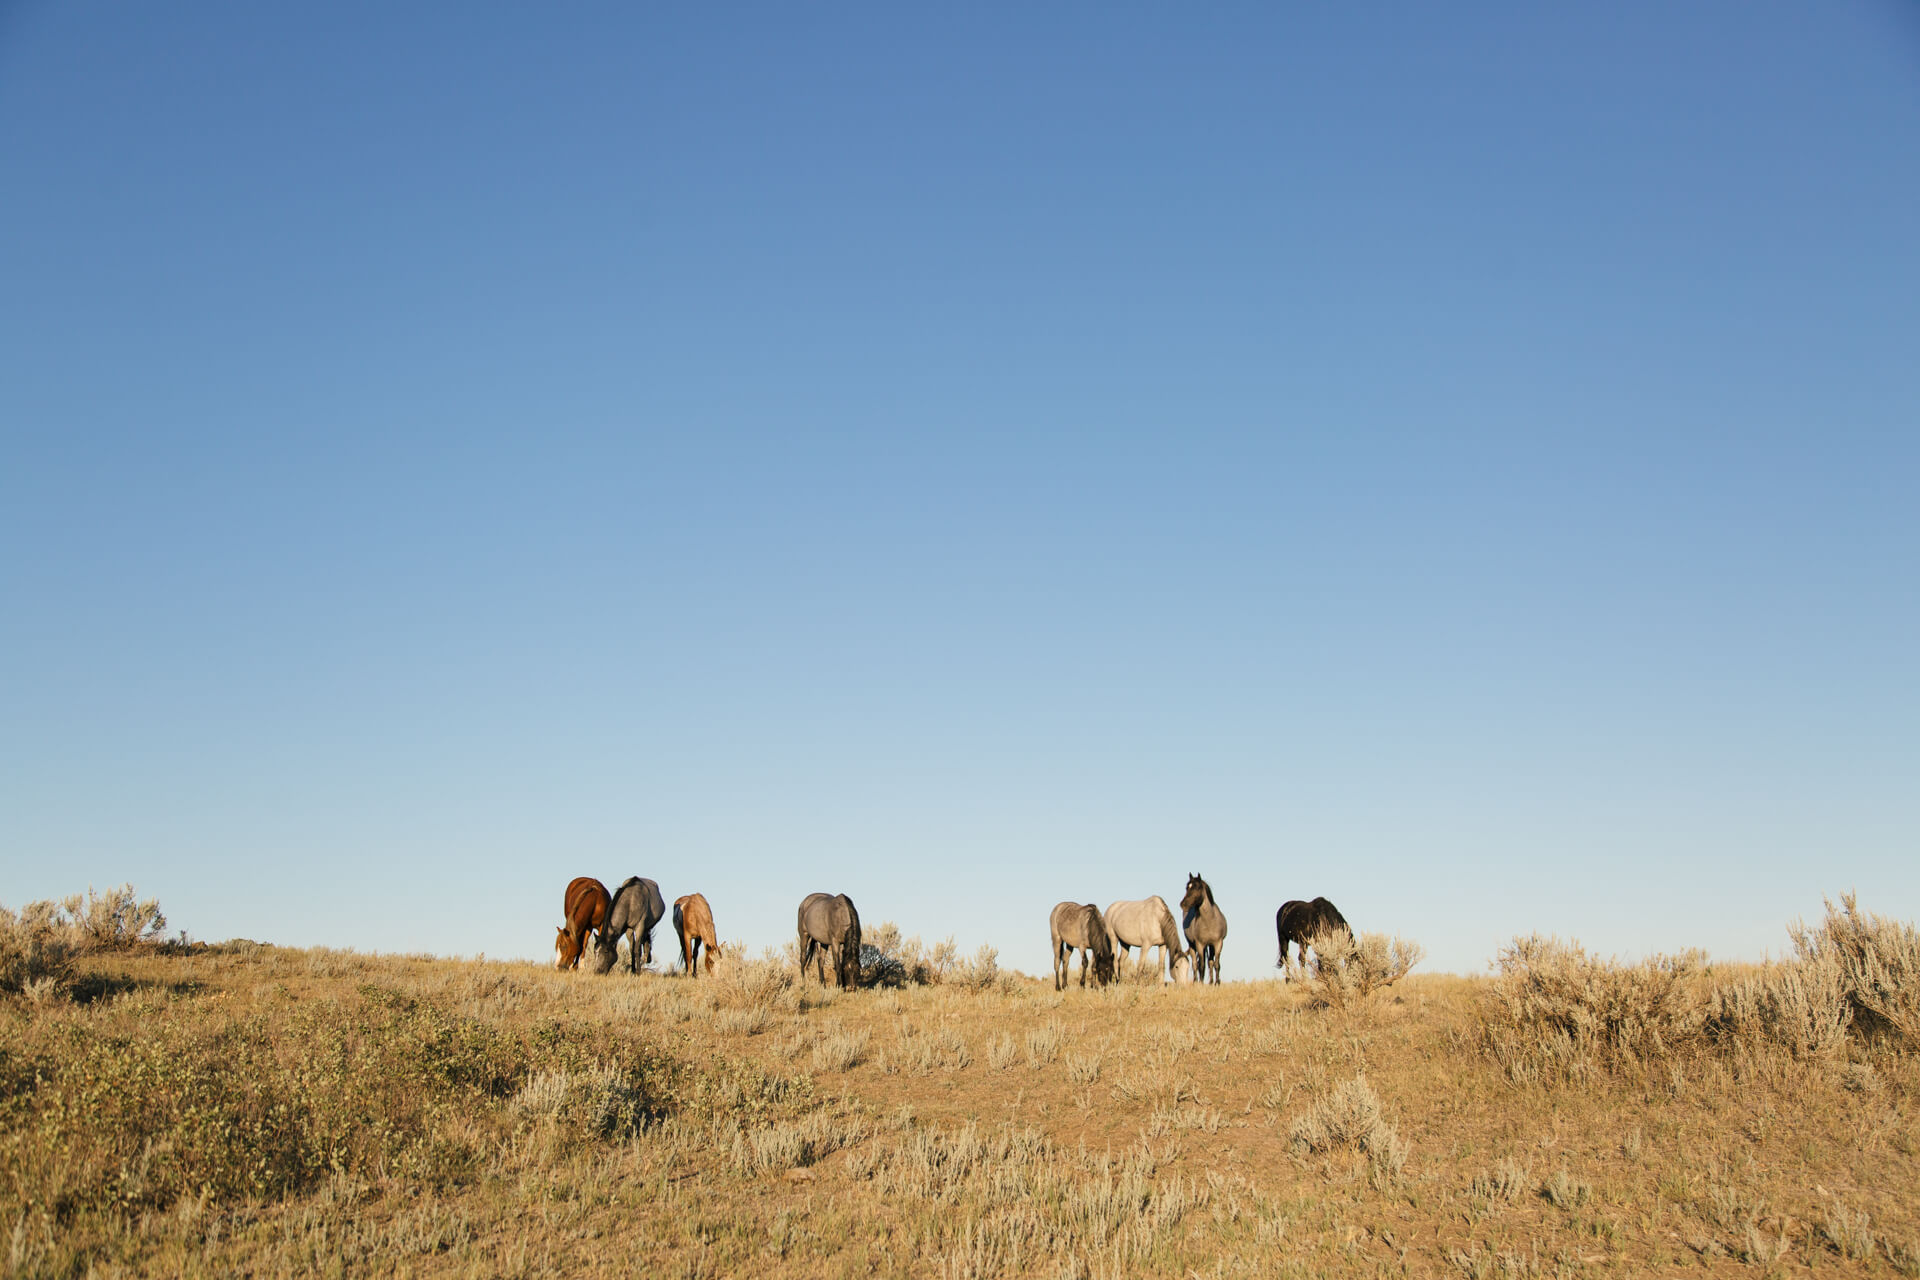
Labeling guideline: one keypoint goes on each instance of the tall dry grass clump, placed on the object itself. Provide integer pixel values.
(1554, 1012)
(1346, 970)
(1878, 965)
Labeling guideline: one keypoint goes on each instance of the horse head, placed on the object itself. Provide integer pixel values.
(605, 952)
(565, 950)
(1182, 969)
(1197, 892)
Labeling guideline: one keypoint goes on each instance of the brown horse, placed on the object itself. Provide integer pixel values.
(586, 911)
(693, 922)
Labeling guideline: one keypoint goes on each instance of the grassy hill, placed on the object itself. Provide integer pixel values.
(247, 1109)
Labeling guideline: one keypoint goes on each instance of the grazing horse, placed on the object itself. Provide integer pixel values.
(585, 910)
(830, 928)
(1077, 926)
(637, 907)
(1145, 924)
(693, 924)
(1206, 927)
(1300, 923)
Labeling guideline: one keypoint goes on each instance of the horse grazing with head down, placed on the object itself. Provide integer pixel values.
(693, 925)
(1078, 926)
(1145, 924)
(637, 906)
(830, 928)
(585, 910)
(1206, 927)
(1299, 923)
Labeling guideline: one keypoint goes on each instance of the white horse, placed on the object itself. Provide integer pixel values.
(1146, 924)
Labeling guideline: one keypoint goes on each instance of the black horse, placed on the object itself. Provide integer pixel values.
(1300, 923)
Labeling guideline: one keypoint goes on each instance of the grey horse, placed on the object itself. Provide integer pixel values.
(637, 907)
(1206, 927)
(1077, 926)
(1145, 924)
(829, 928)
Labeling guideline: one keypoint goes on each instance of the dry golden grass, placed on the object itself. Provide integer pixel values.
(256, 1110)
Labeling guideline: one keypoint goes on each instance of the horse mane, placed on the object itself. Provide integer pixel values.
(1097, 940)
(1169, 930)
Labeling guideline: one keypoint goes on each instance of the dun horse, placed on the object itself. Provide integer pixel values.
(693, 924)
(1077, 926)
(585, 910)
(1206, 927)
(1299, 923)
(637, 907)
(830, 928)
(1145, 924)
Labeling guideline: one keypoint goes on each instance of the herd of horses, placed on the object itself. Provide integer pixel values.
(829, 932)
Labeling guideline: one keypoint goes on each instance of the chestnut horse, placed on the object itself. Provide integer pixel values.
(693, 923)
(586, 910)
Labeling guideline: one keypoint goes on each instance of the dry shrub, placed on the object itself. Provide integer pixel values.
(1345, 971)
(1505, 1183)
(1800, 1006)
(1878, 961)
(841, 1050)
(1556, 1013)
(741, 982)
(35, 956)
(889, 960)
(39, 945)
(1350, 1116)
(115, 919)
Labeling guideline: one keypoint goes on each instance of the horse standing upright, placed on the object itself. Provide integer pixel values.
(1145, 924)
(1078, 926)
(1299, 923)
(829, 928)
(1206, 927)
(637, 907)
(693, 925)
(585, 911)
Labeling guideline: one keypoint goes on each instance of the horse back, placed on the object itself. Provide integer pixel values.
(693, 918)
(587, 902)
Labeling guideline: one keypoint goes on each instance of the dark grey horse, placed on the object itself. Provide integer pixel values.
(1299, 923)
(637, 907)
(829, 928)
(1078, 926)
(1206, 927)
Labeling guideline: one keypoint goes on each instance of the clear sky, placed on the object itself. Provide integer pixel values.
(1462, 460)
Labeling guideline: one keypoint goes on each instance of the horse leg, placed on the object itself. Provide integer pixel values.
(693, 964)
(1218, 947)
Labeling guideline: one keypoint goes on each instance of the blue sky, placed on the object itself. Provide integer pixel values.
(1459, 461)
